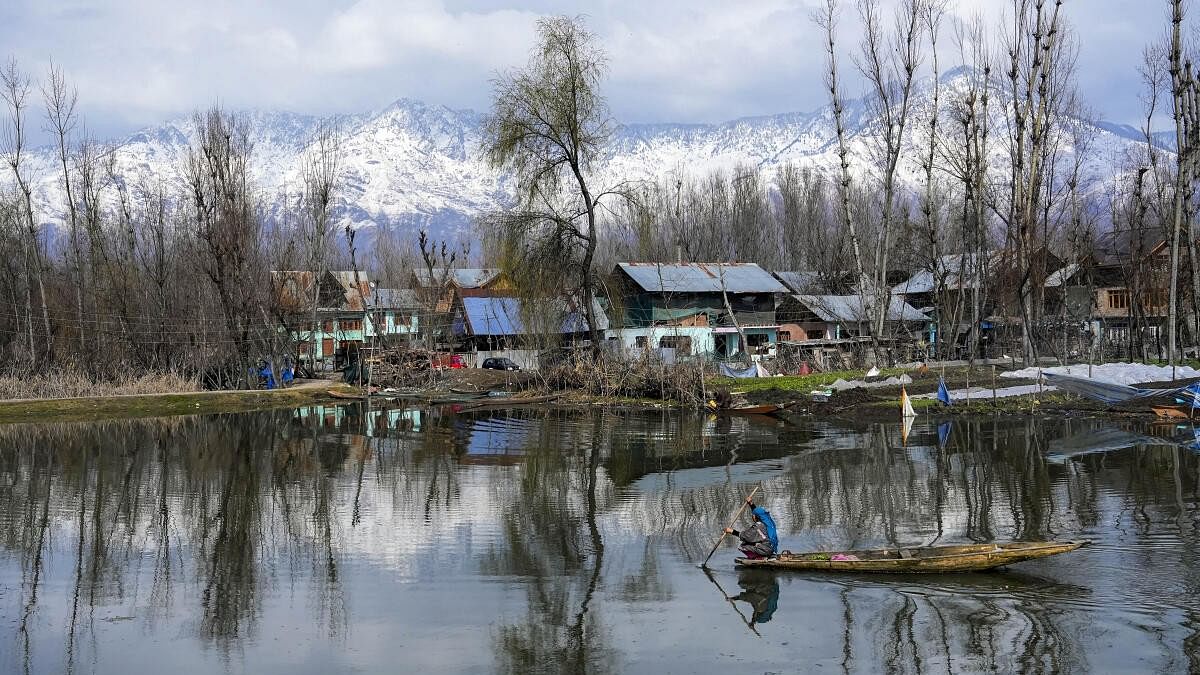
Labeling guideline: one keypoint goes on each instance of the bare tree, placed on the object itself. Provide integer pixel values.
(60, 103)
(549, 122)
(16, 88)
(1184, 113)
(322, 179)
(889, 62)
(226, 225)
(826, 18)
(1039, 81)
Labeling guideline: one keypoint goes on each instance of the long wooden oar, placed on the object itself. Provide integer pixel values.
(733, 522)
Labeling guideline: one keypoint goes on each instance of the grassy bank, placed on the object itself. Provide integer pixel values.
(158, 405)
(800, 383)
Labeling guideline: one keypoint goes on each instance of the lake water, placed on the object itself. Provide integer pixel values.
(335, 539)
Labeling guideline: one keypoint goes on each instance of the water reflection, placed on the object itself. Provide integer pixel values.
(570, 541)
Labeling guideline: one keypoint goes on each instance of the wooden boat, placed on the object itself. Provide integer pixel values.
(348, 395)
(493, 402)
(755, 409)
(1173, 412)
(929, 559)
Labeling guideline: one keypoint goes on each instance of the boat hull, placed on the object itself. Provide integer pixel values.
(931, 560)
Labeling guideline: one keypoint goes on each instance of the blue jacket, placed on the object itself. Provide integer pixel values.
(769, 522)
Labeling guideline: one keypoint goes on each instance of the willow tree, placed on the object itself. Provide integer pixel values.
(548, 125)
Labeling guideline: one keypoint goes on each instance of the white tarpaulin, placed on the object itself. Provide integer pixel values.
(1118, 373)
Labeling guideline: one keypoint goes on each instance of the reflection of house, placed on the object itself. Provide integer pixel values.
(350, 312)
(685, 307)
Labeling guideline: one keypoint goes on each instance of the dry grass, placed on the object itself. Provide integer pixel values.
(73, 383)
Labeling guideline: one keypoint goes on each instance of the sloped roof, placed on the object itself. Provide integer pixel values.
(800, 281)
(295, 289)
(502, 316)
(1062, 276)
(355, 287)
(474, 277)
(854, 308)
(395, 298)
(961, 271)
(702, 277)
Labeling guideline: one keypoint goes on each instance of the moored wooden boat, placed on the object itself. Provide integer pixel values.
(928, 559)
(494, 402)
(1173, 412)
(755, 409)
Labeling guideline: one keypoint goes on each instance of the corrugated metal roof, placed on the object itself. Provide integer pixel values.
(702, 277)
(1062, 276)
(502, 316)
(855, 308)
(463, 278)
(800, 282)
(924, 281)
(396, 298)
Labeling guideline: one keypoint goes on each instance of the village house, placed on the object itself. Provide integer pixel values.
(1119, 290)
(683, 309)
(805, 317)
(946, 289)
(503, 326)
(351, 313)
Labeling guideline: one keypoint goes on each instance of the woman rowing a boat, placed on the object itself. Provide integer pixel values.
(761, 539)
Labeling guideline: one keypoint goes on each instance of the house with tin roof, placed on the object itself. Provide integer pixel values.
(686, 310)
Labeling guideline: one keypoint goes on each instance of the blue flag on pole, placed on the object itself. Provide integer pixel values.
(943, 394)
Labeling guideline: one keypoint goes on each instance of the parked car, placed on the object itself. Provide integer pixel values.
(500, 364)
(453, 361)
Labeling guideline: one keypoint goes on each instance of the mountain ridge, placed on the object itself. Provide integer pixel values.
(413, 164)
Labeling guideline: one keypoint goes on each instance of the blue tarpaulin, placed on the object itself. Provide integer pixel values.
(753, 370)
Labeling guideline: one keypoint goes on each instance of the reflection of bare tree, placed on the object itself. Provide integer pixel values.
(230, 596)
(553, 539)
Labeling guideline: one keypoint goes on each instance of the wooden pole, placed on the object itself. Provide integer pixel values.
(733, 522)
(993, 384)
(748, 622)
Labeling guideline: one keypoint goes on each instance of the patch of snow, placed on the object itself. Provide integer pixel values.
(841, 385)
(1117, 373)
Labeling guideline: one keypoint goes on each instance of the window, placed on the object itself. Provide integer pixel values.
(785, 336)
(680, 343)
(350, 324)
(1155, 299)
(1118, 299)
(303, 347)
(757, 339)
(327, 326)
(641, 342)
(816, 334)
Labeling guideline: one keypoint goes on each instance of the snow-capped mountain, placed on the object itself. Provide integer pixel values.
(417, 165)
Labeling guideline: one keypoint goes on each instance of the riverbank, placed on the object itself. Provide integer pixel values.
(814, 394)
(92, 408)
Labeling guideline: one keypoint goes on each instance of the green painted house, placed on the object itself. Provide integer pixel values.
(352, 313)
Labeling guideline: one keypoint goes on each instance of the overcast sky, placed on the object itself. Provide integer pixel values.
(137, 62)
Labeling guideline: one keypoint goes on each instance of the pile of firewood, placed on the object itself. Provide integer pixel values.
(401, 367)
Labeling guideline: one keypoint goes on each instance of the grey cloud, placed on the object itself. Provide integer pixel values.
(139, 61)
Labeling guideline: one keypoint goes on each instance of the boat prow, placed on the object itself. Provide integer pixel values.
(916, 560)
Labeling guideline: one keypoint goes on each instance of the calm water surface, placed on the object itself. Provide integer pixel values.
(335, 539)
